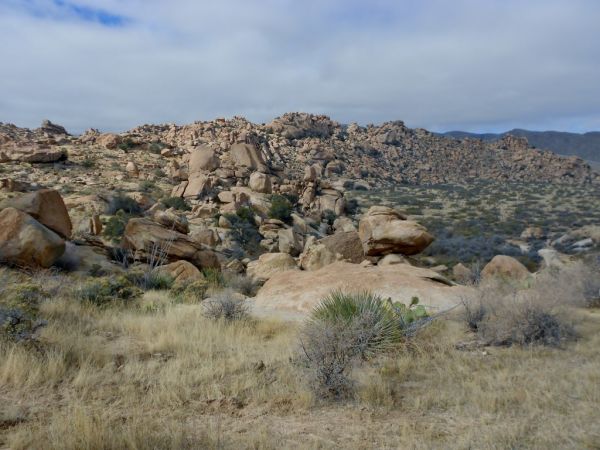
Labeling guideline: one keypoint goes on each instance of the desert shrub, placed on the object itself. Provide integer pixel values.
(329, 216)
(155, 147)
(351, 206)
(177, 203)
(213, 277)
(115, 226)
(225, 306)
(244, 232)
(281, 208)
(190, 291)
(96, 270)
(19, 309)
(151, 280)
(103, 291)
(327, 354)
(126, 145)
(342, 328)
(241, 283)
(147, 186)
(88, 162)
(501, 315)
(474, 312)
(121, 202)
(246, 214)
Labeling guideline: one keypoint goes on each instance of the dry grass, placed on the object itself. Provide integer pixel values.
(160, 375)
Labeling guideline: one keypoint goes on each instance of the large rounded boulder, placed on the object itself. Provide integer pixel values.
(26, 242)
(383, 231)
(504, 266)
(47, 207)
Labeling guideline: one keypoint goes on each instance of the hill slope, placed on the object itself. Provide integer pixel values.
(586, 146)
(377, 155)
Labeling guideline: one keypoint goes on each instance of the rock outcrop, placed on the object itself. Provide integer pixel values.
(383, 230)
(300, 292)
(26, 242)
(504, 266)
(47, 207)
(270, 264)
(145, 237)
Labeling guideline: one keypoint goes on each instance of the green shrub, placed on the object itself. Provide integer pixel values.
(121, 202)
(177, 203)
(376, 324)
(190, 291)
(151, 280)
(19, 309)
(103, 291)
(281, 208)
(126, 145)
(329, 216)
(147, 186)
(246, 214)
(243, 231)
(88, 162)
(115, 227)
(213, 277)
(155, 147)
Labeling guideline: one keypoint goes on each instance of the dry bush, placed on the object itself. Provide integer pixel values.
(328, 351)
(241, 283)
(504, 314)
(225, 305)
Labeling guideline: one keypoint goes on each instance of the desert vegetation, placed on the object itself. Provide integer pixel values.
(476, 221)
(100, 363)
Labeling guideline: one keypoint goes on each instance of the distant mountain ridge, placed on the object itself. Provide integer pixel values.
(586, 145)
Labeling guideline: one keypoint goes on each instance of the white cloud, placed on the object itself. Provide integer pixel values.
(479, 65)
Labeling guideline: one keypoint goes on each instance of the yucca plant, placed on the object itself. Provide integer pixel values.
(373, 326)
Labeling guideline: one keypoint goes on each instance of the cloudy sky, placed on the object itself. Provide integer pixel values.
(476, 65)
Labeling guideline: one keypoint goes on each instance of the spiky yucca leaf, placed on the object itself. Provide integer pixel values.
(372, 324)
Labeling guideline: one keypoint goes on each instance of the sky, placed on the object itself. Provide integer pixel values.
(472, 65)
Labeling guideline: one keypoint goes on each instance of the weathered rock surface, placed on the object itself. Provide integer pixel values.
(504, 266)
(300, 292)
(142, 235)
(36, 154)
(26, 242)
(247, 155)
(270, 264)
(383, 230)
(47, 207)
(181, 271)
(203, 159)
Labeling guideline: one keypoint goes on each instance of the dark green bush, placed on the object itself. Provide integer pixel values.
(177, 203)
(115, 227)
(156, 147)
(281, 208)
(244, 232)
(121, 202)
(126, 145)
(151, 280)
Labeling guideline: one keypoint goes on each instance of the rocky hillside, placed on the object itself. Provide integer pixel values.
(585, 145)
(372, 155)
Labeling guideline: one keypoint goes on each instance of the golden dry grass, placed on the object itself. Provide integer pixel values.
(160, 375)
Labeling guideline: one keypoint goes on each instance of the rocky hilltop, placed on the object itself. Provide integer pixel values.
(372, 155)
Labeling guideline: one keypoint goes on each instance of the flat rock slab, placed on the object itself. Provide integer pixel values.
(298, 292)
